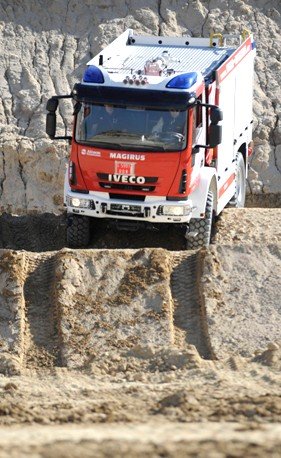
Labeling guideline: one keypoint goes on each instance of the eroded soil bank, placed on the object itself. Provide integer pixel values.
(148, 351)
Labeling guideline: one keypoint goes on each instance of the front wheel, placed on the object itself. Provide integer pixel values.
(78, 231)
(200, 229)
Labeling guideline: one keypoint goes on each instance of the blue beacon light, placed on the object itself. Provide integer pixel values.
(93, 74)
(183, 81)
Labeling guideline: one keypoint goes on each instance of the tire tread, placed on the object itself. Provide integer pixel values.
(78, 231)
(202, 226)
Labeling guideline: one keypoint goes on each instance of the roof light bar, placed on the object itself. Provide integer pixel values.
(93, 74)
(183, 81)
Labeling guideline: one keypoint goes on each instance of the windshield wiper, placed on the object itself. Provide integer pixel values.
(119, 133)
(134, 147)
(94, 142)
(143, 147)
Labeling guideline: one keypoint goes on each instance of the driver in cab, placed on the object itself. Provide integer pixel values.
(97, 120)
(172, 121)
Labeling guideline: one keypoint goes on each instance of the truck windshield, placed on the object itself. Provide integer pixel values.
(134, 128)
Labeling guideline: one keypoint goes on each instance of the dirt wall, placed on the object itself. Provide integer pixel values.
(44, 51)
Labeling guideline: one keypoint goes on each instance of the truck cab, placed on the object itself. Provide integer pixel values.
(150, 143)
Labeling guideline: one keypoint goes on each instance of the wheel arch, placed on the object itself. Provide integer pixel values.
(208, 181)
(214, 188)
(244, 151)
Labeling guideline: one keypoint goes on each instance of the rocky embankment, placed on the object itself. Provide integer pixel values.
(44, 52)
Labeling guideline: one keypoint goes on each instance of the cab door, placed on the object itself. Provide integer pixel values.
(198, 138)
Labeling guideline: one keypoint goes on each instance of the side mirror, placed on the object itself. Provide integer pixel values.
(215, 135)
(52, 104)
(216, 115)
(51, 124)
(51, 120)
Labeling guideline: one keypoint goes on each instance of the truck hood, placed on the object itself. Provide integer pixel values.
(134, 172)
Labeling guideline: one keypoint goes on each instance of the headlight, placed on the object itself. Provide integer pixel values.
(78, 203)
(173, 210)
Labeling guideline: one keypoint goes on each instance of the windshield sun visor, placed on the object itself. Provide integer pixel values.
(165, 99)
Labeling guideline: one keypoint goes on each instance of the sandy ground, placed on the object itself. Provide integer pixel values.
(143, 351)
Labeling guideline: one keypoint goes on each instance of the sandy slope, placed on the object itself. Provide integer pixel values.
(146, 351)
(242, 272)
(152, 439)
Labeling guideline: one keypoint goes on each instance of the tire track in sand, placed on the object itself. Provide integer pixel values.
(42, 340)
(190, 325)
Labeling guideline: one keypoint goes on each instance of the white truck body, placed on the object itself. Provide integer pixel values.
(194, 76)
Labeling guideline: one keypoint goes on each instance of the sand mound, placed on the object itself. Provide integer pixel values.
(240, 282)
(99, 309)
(132, 336)
(113, 300)
(249, 225)
(90, 308)
(270, 357)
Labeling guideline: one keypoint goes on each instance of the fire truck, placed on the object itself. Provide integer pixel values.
(162, 134)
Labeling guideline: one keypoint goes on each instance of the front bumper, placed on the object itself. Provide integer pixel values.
(154, 209)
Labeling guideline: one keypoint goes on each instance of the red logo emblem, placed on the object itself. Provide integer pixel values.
(125, 168)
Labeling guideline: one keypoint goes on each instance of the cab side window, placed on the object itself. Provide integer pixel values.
(197, 121)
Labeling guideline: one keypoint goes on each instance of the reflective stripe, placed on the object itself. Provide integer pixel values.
(226, 185)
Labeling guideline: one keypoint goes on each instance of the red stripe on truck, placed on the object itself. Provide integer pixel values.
(234, 60)
(226, 185)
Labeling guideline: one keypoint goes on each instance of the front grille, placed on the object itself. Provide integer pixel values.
(127, 187)
(131, 215)
(125, 207)
(104, 176)
(122, 209)
(127, 197)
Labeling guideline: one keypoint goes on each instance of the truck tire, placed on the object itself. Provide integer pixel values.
(238, 200)
(200, 229)
(78, 231)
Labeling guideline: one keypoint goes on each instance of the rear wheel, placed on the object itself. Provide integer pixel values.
(78, 231)
(200, 229)
(238, 200)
